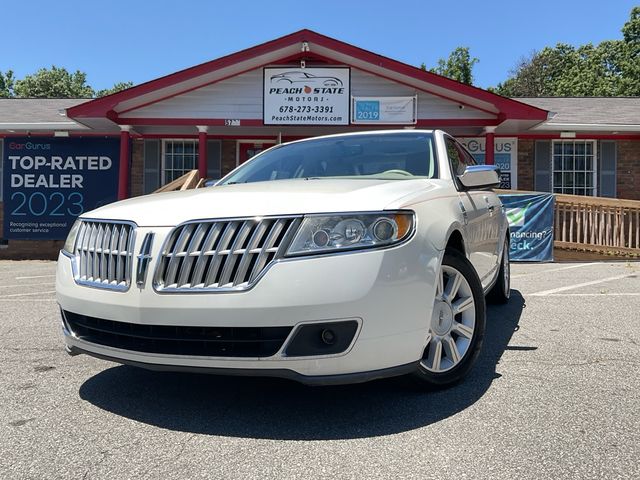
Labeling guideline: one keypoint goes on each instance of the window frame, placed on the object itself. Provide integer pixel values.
(594, 167)
(195, 141)
(462, 152)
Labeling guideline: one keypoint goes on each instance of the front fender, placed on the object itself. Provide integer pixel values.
(439, 219)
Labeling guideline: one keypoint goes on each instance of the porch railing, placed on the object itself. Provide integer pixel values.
(597, 224)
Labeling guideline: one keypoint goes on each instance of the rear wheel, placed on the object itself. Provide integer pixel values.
(501, 291)
(457, 324)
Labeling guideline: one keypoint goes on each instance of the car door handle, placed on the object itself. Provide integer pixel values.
(490, 207)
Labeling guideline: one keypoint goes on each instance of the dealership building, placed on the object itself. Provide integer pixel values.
(62, 157)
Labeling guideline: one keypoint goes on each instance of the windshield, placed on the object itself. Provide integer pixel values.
(389, 156)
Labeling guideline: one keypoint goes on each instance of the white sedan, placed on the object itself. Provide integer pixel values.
(330, 260)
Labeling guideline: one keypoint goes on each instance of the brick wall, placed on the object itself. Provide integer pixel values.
(228, 156)
(526, 167)
(137, 168)
(627, 175)
(628, 169)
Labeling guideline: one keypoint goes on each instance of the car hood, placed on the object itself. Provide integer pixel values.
(280, 197)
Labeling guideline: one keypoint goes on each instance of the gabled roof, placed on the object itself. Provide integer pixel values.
(304, 44)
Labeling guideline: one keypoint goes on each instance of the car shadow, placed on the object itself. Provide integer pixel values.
(270, 408)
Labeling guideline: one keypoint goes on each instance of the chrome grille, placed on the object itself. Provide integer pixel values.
(104, 253)
(221, 254)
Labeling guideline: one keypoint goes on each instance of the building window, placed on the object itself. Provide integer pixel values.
(179, 157)
(574, 167)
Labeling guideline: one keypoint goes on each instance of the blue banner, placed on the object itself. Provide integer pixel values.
(368, 110)
(531, 226)
(48, 182)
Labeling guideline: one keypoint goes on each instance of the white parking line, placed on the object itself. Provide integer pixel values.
(30, 300)
(570, 267)
(15, 285)
(627, 294)
(29, 294)
(35, 276)
(545, 293)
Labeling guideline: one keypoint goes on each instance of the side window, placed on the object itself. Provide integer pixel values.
(455, 159)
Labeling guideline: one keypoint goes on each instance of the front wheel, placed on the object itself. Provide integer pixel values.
(456, 326)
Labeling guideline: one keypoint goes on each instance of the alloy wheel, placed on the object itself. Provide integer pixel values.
(452, 322)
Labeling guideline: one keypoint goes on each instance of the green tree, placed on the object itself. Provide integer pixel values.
(631, 29)
(118, 87)
(611, 68)
(6, 84)
(459, 66)
(56, 82)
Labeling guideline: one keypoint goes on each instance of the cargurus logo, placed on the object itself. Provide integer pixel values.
(516, 216)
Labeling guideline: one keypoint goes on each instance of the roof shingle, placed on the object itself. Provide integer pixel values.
(589, 110)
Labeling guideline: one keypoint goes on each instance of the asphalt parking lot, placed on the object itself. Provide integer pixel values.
(556, 394)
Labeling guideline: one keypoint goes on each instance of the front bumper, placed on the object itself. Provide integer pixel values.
(388, 292)
(315, 380)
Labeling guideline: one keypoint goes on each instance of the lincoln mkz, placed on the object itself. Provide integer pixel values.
(329, 260)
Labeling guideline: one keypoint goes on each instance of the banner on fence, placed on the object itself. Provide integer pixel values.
(531, 226)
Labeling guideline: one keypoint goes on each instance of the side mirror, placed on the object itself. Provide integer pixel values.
(480, 176)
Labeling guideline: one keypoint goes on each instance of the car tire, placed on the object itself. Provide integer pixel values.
(456, 327)
(501, 291)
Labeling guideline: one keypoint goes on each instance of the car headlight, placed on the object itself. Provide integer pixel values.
(70, 242)
(333, 233)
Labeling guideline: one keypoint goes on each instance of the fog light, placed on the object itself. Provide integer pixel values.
(328, 336)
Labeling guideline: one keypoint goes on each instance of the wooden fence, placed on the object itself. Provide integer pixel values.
(597, 224)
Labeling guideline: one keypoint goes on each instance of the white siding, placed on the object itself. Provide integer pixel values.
(241, 97)
(236, 97)
(429, 106)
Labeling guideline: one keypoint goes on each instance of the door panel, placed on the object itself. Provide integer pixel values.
(480, 213)
(477, 232)
(495, 220)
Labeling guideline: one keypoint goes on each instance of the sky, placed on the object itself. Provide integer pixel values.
(134, 40)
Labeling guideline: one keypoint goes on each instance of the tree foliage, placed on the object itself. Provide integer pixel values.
(6, 84)
(458, 66)
(118, 87)
(55, 82)
(611, 68)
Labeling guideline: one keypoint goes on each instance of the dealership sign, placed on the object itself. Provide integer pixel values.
(48, 182)
(530, 219)
(306, 96)
(384, 110)
(505, 154)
